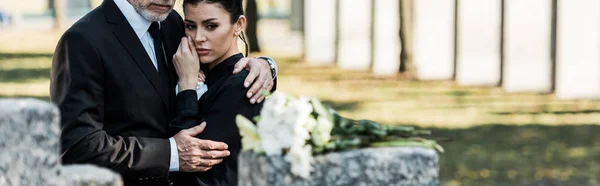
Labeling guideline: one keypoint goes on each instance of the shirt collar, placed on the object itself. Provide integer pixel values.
(139, 24)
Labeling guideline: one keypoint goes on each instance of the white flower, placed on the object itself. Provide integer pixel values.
(296, 117)
(274, 105)
(299, 158)
(320, 109)
(270, 145)
(283, 125)
(321, 133)
(250, 139)
(286, 124)
(270, 119)
(311, 123)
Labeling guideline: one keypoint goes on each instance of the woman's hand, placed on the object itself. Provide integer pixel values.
(187, 64)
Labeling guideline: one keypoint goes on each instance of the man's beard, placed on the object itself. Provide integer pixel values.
(142, 9)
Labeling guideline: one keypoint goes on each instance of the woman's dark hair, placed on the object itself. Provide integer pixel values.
(233, 7)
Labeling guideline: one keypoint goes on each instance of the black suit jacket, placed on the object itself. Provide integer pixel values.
(115, 107)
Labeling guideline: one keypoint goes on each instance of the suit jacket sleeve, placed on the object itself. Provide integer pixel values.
(77, 87)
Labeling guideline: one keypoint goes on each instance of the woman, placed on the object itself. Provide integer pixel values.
(212, 27)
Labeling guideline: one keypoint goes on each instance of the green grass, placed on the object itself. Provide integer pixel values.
(529, 155)
(490, 137)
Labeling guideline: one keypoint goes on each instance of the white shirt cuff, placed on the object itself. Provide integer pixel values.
(174, 164)
(201, 88)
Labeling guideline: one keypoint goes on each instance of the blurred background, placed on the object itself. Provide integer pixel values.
(509, 88)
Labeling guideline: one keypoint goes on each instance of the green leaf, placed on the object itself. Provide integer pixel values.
(409, 142)
(256, 119)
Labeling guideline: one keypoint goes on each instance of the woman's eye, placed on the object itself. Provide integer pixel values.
(211, 27)
(190, 27)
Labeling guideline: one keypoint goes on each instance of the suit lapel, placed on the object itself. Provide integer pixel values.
(124, 32)
(170, 44)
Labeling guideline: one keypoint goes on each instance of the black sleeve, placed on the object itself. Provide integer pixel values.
(231, 100)
(77, 88)
(186, 111)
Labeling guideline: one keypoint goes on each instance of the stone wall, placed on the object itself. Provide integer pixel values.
(406, 166)
(30, 149)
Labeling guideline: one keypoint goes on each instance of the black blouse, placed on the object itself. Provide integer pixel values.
(225, 98)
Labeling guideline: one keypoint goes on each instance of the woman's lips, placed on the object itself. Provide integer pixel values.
(203, 52)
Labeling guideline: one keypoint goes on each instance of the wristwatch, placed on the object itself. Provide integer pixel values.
(272, 64)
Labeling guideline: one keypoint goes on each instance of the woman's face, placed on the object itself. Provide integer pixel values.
(213, 33)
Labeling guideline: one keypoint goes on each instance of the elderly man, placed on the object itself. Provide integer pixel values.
(114, 83)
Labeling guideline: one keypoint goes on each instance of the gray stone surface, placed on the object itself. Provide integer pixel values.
(30, 148)
(89, 175)
(29, 142)
(406, 166)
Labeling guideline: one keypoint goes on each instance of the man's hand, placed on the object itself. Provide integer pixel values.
(197, 155)
(260, 74)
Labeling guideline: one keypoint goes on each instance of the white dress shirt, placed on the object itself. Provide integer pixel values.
(140, 25)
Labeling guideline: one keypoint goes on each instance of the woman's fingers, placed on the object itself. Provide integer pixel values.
(185, 45)
(192, 47)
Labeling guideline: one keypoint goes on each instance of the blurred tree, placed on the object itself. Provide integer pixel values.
(59, 13)
(406, 33)
(297, 15)
(251, 28)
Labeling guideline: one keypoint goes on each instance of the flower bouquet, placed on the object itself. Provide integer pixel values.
(298, 128)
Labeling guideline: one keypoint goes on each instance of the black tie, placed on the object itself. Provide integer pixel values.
(154, 31)
(164, 85)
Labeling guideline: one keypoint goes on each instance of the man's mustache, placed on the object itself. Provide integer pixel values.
(162, 2)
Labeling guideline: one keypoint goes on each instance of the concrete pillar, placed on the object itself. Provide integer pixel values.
(354, 48)
(578, 49)
(319, 35)
(386, 38)
(527, 46)
(434, 39)
(478, 47)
